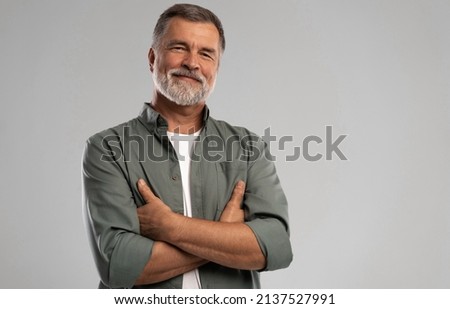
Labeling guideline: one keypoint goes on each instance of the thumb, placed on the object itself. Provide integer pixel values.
(145, 191)
(238, 194)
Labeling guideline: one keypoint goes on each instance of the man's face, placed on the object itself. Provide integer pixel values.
(185, 63)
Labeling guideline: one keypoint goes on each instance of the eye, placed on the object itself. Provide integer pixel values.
(178, 48)
(207, 55)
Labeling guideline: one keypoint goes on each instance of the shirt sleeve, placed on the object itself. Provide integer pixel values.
(267, 210)
(109, 209)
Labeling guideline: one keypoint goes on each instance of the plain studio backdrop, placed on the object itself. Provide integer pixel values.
(377, 72)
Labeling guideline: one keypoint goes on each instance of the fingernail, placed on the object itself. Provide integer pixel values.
(141, 182)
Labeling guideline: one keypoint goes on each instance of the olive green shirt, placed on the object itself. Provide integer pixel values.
(116, 158)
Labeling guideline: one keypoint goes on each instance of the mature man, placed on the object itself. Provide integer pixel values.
(175, 198)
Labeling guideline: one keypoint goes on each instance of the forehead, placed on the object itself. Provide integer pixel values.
(202, 33)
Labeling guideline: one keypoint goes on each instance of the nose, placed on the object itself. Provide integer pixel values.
(190, 62)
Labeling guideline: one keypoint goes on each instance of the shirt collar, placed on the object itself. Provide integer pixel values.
(154, 121)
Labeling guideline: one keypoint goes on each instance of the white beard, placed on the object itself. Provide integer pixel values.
(179, 91)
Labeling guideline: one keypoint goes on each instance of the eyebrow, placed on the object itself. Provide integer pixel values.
(176, 42)
(183, 43)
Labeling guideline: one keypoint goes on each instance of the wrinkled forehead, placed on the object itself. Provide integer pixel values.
(192, 32)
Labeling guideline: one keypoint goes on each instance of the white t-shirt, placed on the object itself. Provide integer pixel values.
(183, 146)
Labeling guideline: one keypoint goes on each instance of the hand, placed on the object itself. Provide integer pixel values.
(233, 211)
(154, 216)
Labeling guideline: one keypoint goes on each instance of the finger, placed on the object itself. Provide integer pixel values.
(238, 193)
(145, 191)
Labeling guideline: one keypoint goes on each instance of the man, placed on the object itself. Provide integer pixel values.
(175, 198)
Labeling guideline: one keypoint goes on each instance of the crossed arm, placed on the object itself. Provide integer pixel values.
(183, 243)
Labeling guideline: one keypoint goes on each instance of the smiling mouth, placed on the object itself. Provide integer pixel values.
(188, 78)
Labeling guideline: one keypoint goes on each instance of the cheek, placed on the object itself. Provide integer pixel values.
(211, 75)
(170, 61)
(212, 80)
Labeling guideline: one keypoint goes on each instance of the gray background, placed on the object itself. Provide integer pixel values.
(377, 71)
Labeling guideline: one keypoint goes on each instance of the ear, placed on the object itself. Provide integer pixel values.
(151, 58)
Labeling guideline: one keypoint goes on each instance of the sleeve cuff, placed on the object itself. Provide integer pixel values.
(128, 260)
(273, 241)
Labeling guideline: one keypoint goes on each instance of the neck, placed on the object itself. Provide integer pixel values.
(180, 119)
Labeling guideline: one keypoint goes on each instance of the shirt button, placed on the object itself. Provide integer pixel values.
(174, 177)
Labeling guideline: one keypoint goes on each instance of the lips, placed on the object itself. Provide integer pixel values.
(187, 74)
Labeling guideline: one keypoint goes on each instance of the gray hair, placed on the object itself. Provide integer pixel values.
(190, 12)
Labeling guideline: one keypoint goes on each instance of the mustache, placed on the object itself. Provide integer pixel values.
(187, 73)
